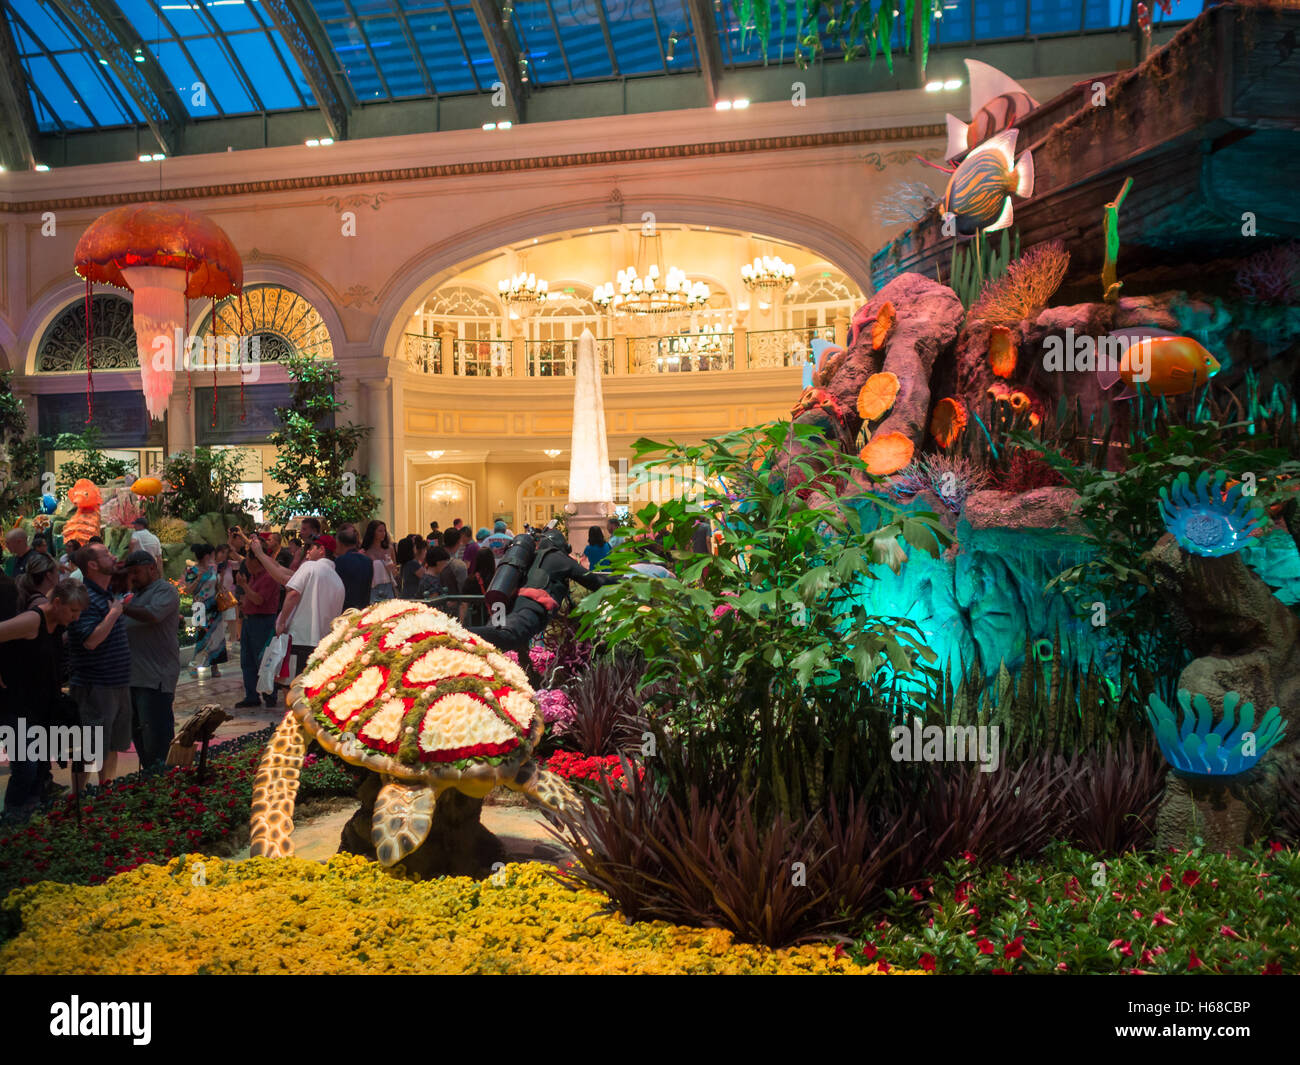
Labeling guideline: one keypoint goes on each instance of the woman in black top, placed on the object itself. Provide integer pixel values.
(32, 676)
(410, 560)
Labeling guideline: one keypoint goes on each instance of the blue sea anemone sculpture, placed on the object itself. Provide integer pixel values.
(1197, 750)
(1208, 521)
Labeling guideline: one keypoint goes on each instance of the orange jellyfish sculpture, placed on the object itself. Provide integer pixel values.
(165, 255)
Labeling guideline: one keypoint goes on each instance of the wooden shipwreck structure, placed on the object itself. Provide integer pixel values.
(1208, 127)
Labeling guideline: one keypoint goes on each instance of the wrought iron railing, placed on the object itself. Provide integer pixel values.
(557, 358)
(685, 353)
(769, 348)
(481, 358)
(423, 353)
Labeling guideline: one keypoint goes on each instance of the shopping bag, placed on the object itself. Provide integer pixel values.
(272, 657)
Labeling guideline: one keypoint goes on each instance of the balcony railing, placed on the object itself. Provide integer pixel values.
(784, 347)
(424, 353)
(679, 353)
(557, 358)
(481, 358)
(687, 353)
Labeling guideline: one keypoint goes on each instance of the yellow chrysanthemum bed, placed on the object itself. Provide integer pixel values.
(205, 915)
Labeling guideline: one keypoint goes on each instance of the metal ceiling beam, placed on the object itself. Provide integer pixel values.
(113, 37)
(504, 56)
(303, 33)
(706, 45)
(17, 119)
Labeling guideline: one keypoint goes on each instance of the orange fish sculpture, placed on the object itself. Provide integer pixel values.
(1163, 364)
(85, 523)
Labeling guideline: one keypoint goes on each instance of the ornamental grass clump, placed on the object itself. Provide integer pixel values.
(606, 708)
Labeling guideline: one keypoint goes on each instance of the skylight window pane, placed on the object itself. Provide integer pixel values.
(484, 72)
(540, 45)
(585, 47)
(350, 48)
(184, 17)
(71, 113)
(136, 114)
(635, 44)
(214, 69)
(442, 53)
(999, 18)
(260, 63)
(183, 78)
(954, 27)
(1103, 14)
(231, 14)
(401, 69)
(47, 27)
(89, 82)
(45, 120)
(330, 9)
(299, 79)
(1054, 16)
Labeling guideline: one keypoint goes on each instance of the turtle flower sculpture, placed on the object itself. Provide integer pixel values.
(403, 690)
(1201, 748)
(1207, 520)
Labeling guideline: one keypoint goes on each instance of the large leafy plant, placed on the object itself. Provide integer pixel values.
(20, 456)
(760, 659)
(205, 481)
(87, 460)
(314, 451)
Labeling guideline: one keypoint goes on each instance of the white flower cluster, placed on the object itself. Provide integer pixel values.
(514, 676)
(356, 695)
(388, 609)
(444, 662)
(334, 664)
(457, 721)
(521, 708)
(386, 725)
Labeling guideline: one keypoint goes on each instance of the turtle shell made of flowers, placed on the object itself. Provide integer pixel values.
(405, 690)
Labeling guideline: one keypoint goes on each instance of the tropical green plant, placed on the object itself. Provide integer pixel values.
(20, 456)
(855, 27)
(88, 460)
(978, 263)
(761, 658)
(204, 481)
(314, 451)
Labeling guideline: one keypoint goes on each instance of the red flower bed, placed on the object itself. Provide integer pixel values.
(574, 766)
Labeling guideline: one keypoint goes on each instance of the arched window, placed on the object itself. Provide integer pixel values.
(542, 496)
(112, 337)
(472, 314)
(283, 322)
(818, 297)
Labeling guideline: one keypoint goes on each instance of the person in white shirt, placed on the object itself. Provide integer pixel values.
(313, 598)
(143, 540)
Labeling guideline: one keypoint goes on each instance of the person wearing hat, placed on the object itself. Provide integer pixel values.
(143, 540)
(153, 619)
(498, 539)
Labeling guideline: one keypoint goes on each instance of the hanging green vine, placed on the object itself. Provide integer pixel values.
(856, 27)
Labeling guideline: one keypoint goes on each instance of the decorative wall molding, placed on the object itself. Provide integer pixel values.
(361, 199)
(358, 296)
(905, 155)
(803, 142)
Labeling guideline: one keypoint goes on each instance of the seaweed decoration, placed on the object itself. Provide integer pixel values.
(857, 27)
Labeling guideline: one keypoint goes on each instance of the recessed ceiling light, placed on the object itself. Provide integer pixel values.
(722, 105)
(326, 141)
(489, 125)
(741, 104)
(313, 143)
(145, 158)
(952, 83)
(42, 167)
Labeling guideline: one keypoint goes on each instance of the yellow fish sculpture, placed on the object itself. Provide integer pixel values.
(1163, 364)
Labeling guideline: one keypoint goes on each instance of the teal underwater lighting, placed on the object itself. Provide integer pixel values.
(1224, 751)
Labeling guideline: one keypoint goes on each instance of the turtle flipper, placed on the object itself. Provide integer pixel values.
(402, 819)
(274, 789)
(544, 787)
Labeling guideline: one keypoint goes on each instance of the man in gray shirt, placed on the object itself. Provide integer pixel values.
(153, 630)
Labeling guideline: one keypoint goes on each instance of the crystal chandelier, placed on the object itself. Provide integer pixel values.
(523, 290)
(654, 292)
(769, 273)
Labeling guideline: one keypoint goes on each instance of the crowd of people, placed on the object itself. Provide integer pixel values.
(88, 640)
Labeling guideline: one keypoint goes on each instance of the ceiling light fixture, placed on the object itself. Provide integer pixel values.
(313, 143)
(42, 167)
(146, 158)
(523, 70)
(506, 13)
(489, 126)
(722, 105)
(670, 55)
(435, 454)
(767, 273)
(552, 452)
(648, 289)
(740, 104)
(504, 125)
